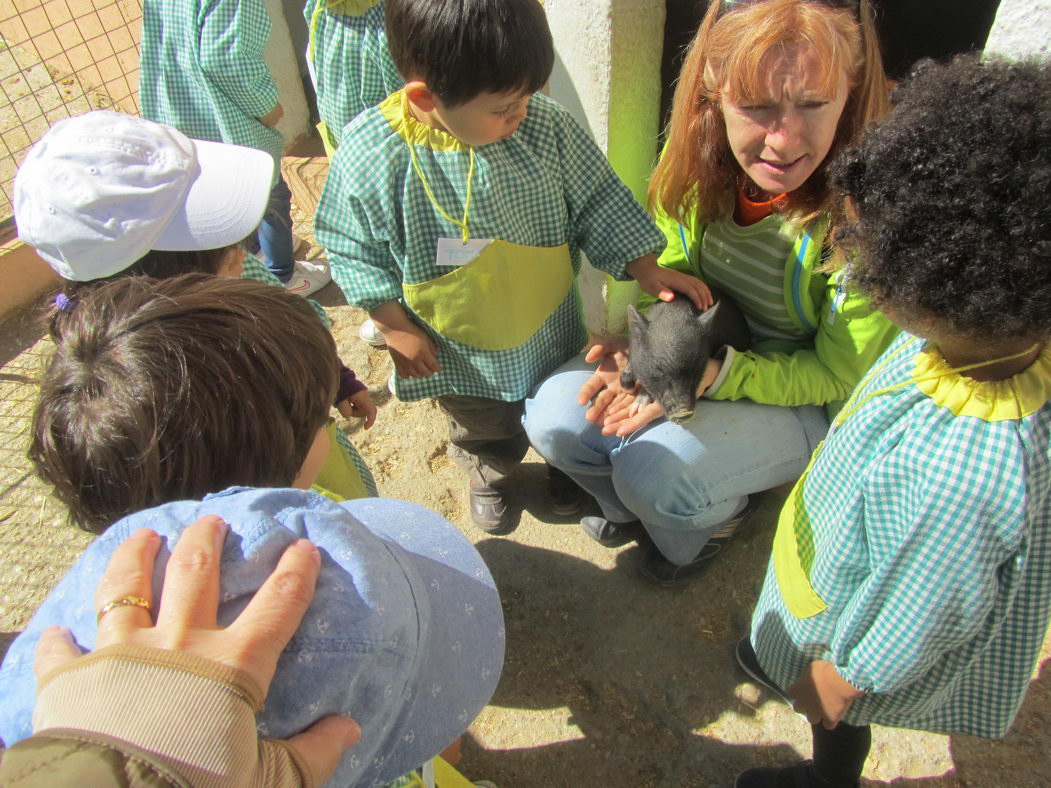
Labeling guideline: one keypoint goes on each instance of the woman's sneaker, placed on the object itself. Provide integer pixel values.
(610, 534)
(749, 663)
(660, 571)
(566, 496)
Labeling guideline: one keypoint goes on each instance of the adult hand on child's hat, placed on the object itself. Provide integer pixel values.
(186, 620)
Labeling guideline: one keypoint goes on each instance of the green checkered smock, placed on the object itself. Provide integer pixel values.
(929, 509)
(202, 71)
(255, 269)
(348, 58)
(546, 185)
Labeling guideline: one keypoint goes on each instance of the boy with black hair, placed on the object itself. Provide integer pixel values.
(456, 213)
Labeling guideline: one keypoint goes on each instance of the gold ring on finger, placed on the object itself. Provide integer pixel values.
(134, 601)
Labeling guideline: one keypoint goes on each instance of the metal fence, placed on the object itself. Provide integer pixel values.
(60, 58)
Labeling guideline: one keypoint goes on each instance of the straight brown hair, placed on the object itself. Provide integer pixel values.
(161, 390)
(697, 173)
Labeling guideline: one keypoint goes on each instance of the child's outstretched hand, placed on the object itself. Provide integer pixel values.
(665, 283)
(822, 694)
(359, 406)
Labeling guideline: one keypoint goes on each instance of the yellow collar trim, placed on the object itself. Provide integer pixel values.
(395, 108)
(352, 7)
(992, 400)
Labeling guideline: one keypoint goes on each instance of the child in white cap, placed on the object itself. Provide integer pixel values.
(106, 195)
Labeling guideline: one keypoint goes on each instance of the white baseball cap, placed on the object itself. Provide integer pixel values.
(99, 191)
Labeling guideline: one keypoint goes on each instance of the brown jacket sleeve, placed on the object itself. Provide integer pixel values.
(62, 757)
(175, 719)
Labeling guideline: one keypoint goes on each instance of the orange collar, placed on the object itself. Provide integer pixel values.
(749, 212)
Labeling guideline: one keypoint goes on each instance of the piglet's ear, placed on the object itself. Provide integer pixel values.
(636, 320)
(707, 317)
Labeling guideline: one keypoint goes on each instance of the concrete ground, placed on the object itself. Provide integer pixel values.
(608, 681)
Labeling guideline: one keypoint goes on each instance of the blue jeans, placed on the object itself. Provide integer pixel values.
(274, 237)
(683, 481)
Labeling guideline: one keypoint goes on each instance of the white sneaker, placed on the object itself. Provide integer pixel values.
(308, 278)
(371, 335)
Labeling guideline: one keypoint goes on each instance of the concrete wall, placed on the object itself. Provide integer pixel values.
(1022, 27)
(283, 60)
(607, 73)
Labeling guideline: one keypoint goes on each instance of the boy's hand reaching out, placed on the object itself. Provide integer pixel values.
(413, 352)
(665, 283)
(358, 406)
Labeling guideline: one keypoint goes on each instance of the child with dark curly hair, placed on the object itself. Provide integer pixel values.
(910, 583)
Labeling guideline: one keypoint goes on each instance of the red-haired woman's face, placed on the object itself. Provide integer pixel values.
(781, 138)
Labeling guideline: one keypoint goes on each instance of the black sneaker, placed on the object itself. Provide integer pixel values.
(749, 663)
(660, 571)
(610, 534)
(488, 510)
(566, 496)
(799, 775)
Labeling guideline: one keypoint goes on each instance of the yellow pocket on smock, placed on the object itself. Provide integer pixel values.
(499, 299)
(793, 553)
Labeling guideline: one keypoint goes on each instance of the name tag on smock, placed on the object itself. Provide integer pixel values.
(454, 252)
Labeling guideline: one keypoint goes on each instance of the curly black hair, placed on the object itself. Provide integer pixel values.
(951, 197)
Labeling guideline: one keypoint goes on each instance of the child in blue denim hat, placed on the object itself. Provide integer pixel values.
(146, 404)
(405, 633)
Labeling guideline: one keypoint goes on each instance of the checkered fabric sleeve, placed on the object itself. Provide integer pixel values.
(605, 220)
(359, 463)
(233, 36)
(254, 268)
(359, 254)
(202, 70)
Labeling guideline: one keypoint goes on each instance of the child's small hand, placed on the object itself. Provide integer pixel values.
(359, 406)
(664, 283)
(413, 352)
(822, 694)
(272, 118)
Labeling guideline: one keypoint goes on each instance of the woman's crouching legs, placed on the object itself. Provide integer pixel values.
(559, 432)
(684, 482)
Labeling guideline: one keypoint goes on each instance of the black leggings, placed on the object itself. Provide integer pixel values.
(840, 753)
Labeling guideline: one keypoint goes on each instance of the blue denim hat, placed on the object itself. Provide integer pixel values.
(405, 632)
